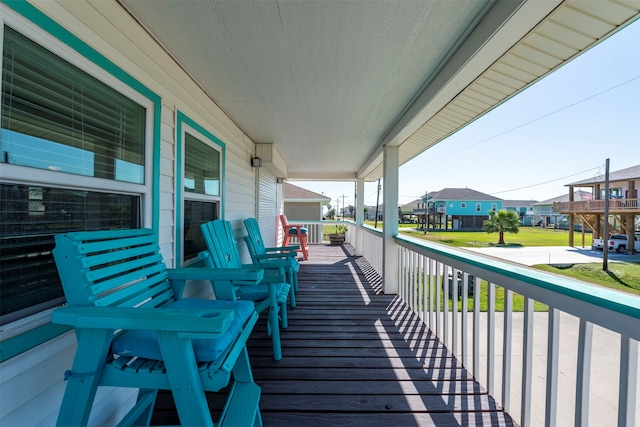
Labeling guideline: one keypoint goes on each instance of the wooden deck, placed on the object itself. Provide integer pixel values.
(353, 356)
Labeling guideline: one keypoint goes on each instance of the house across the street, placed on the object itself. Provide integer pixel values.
(458, 209)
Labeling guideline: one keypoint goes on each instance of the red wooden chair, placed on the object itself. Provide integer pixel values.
(298, 231)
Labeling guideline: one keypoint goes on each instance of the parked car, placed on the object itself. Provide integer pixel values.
(619, 242)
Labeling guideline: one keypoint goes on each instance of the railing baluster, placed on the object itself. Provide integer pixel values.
(506, 348)
(437, 285)
(420, 285)
(431, 270)
(527, 360)
(464, 326)
(491, 336)
(553, 351)
(583, 375)
(476, 328)
(415, 283)
(443, 284)
(628, 378)
(411, 280)
(454, 316)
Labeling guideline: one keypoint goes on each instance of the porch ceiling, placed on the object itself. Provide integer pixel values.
(331, 82)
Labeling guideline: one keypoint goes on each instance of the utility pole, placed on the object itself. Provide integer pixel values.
(343, 196)
(605, 246)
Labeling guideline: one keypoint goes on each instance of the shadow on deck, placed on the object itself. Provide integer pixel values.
(353, 356)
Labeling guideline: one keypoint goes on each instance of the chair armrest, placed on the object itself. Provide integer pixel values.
(289, 248)
(248, 273)
(179, 276)
(275, 257)
(155, 319)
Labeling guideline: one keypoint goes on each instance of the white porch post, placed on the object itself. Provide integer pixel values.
(390, 220)
(359, 216)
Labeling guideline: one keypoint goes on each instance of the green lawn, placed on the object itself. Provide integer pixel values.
(622, 276)
(518, 300)
(528, 236)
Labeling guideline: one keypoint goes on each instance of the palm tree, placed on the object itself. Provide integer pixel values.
(501, 222)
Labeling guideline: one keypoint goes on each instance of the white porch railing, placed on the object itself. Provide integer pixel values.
(317, 231)
(519, 356)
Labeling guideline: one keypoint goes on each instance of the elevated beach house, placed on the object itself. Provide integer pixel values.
(623, 207)
(460, 208)
(165, 114)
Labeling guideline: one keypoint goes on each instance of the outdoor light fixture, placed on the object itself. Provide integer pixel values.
(256, 162)
(279, 180)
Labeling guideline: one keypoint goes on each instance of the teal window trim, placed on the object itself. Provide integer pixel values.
(182, 119)
(23, 342)
(13, 346)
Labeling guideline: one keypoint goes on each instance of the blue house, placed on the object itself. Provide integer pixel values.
(460, 208)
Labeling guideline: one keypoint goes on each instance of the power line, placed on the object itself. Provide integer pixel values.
(546, 182)
(529, 122)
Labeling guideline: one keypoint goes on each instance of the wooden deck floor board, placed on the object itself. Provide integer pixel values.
(353, 356)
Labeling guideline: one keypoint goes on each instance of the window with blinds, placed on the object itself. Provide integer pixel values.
(30, 215)
(57, 117)
(60, 119)
(201, 167)
(201, 191)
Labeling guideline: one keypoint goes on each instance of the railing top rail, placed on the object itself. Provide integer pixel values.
(555, 285)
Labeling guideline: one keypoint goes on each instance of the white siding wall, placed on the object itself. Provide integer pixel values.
(267, 205)
(31, 384)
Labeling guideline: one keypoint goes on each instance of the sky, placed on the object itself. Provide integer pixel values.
(558, 131)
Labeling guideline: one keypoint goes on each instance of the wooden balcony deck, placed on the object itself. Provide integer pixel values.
(353, 356)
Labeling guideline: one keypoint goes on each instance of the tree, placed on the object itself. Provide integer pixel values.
(501, 222)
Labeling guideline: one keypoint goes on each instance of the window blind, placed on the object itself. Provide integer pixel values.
(55, 116)
(30, 216)
(201, 167)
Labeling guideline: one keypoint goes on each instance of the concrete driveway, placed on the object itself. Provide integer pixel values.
(552, 255)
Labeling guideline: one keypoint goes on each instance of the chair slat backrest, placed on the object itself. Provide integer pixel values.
(254, 238)
(222, 245)
(285, 222)
(122, 268)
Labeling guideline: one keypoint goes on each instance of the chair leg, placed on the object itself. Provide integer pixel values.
(284, 316)
(303, 245)
(275, 331)
(184, 378)
(242, 368)
(84, 377)
(140, 414)
(292, 292)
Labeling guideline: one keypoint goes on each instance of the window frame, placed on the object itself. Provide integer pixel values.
(25, 19)
(186, 125)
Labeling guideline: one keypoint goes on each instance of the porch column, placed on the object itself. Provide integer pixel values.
(390, 220)
(359, 216)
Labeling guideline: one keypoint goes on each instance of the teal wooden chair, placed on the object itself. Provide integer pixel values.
(271, 293)
(134, 330)
(261, 255)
